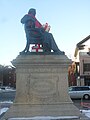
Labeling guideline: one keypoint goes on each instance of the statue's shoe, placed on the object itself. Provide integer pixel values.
(59, 52)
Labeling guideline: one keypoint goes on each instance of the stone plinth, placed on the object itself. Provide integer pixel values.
(42, 87)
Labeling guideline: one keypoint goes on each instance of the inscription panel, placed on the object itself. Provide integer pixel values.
(43, 87)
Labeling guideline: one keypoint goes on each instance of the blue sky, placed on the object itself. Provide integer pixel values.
(69, 21)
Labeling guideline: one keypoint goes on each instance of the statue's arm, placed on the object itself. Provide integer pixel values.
(26, 18)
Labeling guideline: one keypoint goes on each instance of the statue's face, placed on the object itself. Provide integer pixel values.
(32, 11)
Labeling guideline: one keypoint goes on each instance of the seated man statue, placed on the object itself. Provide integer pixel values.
(36, 34)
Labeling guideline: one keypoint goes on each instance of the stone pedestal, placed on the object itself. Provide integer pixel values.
(42, 87)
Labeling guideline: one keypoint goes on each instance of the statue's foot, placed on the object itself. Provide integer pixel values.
(46, 50)
(60, 52)
(24, 52)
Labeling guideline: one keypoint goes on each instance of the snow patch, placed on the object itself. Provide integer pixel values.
(3, 110)
(45, 118)
(6, 102)
(86, 112)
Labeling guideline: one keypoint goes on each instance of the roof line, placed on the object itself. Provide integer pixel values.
(84, 40)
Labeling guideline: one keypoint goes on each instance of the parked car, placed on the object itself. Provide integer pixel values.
(7, 89)
(82, 92)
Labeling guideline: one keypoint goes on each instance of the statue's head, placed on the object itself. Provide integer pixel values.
(32, 11)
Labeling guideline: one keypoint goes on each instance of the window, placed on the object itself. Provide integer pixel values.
(86, 67)
(78, 88)
(85, 88)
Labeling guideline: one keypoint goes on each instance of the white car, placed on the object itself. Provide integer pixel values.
(6, 89)
(82, 92)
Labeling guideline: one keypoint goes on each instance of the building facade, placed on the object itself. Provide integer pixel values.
(84, 66)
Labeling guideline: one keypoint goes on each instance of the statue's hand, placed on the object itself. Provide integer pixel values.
(42, 29)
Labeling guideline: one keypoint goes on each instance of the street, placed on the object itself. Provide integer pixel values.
(81, 104)
(9, 96)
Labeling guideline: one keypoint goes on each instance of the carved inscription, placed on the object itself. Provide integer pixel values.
(43, 86)
(42, 70)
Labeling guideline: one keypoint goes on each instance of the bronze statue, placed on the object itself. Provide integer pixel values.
(36, 34)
